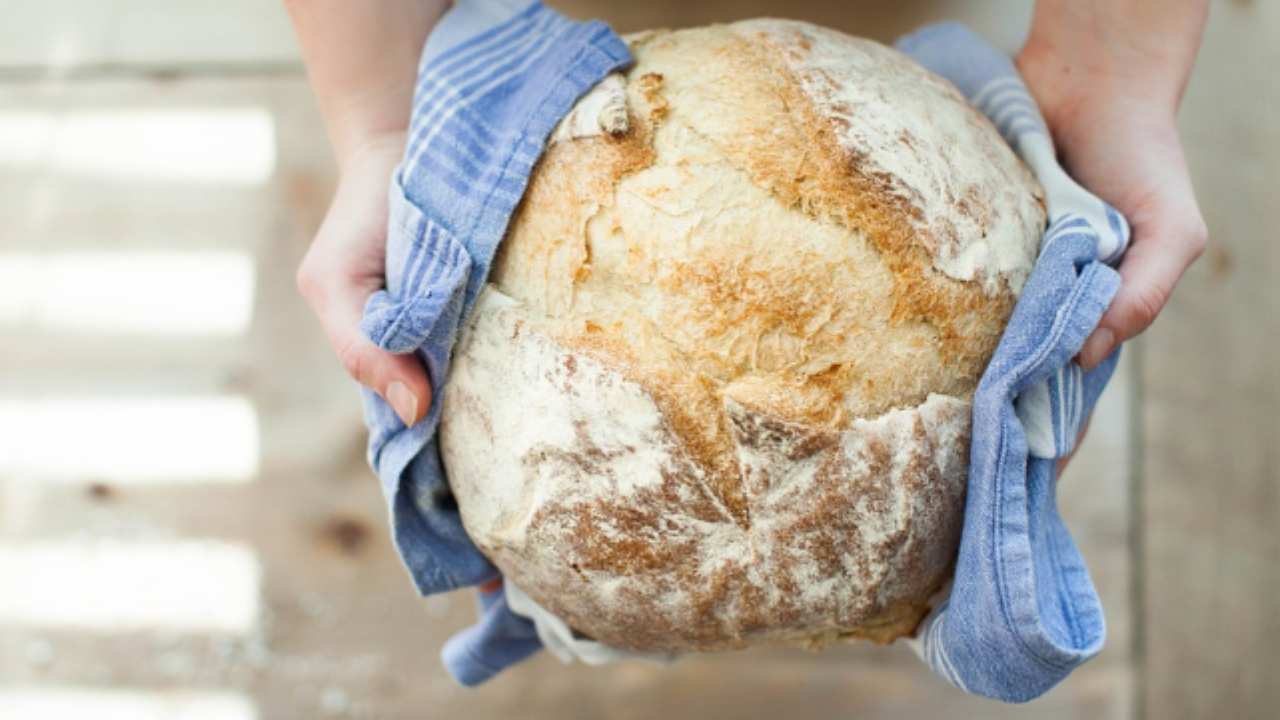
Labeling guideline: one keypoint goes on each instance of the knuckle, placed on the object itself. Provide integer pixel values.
(307, 280)
(1197, 237)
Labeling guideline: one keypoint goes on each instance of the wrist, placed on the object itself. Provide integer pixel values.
(357, 143)
(370, 147)
(362, 60)
(1071, 93)
(1133, 52)
(366, 121)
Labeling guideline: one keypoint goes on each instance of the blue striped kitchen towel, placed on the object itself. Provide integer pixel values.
(496, 77)
(1022, 612)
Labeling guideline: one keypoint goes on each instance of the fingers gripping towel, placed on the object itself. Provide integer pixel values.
(496, 76)
(1022, 611)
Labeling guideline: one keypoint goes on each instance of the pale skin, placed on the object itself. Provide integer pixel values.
(362, 59)
(1108, 75)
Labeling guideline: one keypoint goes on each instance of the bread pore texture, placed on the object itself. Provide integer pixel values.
(717, 390)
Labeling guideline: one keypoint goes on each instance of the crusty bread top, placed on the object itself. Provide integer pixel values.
(802, 222)
(973, 205)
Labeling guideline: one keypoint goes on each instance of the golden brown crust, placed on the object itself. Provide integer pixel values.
(774, 295)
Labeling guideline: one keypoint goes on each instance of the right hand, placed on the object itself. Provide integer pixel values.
(346, 263)
(1108, 78)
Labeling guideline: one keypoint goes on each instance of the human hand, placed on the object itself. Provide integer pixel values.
(1108, 78)
(346, 264)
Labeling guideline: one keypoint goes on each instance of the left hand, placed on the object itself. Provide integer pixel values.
(346, 264)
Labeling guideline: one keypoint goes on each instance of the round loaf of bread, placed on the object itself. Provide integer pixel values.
(718, 390)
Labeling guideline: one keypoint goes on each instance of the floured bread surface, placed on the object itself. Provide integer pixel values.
(719, 392)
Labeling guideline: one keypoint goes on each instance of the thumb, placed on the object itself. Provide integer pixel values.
(399, 379)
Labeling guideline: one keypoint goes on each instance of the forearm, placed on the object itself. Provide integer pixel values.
(362, 58)
(1143, 49)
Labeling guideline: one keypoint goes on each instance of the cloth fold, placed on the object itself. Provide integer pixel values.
(496, 76)
(499, 639)
(1022, 612)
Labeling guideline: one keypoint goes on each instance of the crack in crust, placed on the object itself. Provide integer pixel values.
(606, 524)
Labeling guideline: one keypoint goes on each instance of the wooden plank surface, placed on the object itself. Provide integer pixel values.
(1211, 402)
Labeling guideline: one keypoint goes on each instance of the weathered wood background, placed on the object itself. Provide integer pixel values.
(1175, 497)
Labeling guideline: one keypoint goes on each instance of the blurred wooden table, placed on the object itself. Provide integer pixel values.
(1175, 498)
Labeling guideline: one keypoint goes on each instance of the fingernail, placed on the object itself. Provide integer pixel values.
(1096, 348)
(403, 402)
